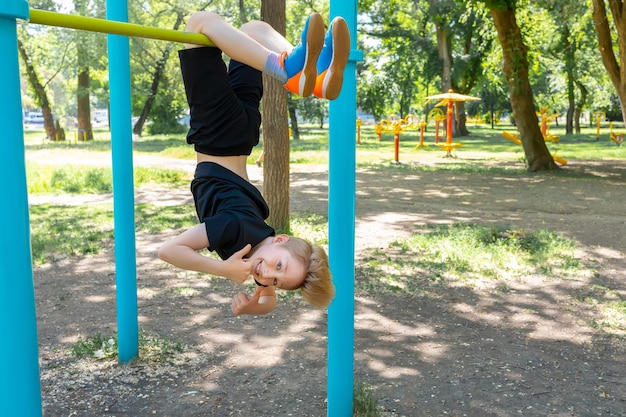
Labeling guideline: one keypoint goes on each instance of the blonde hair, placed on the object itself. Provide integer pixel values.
(317, 287)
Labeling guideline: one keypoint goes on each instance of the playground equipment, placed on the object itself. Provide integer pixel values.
(616, 138)
(19, 368)
(448, 99)
(422, 126)
(515, 139)
(599, 117)
(412, 121)
(545, 121)
(115, 27)
(397, 125)
(438, 116)
(512, 137)
(359, 122)
(379, 129)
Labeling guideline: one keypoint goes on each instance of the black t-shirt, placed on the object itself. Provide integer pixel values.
(232, 209)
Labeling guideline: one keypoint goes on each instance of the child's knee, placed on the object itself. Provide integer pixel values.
(256, 28)
(198, 20)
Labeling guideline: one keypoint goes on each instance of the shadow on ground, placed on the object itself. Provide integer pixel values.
(526, 350)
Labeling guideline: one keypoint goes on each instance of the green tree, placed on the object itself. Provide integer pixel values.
(313, 109)
(38, 89)
(612, 41)
(372, 95)
(35, 80)
(399, 56)
(292, 108)
(473, 37)
(416, 44)
(154, 66)
(564, 59)
(157, 75)
(515, 68)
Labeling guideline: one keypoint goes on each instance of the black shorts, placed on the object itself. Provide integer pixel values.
(223, 105)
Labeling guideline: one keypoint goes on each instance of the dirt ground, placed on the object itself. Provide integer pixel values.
(529, 351)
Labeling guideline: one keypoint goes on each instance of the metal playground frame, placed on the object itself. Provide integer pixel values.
(20, 387)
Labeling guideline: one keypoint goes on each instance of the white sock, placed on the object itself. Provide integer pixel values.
(274, 68)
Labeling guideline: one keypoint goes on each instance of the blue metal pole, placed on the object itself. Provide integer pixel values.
(341, 214)
(123, 187)
(20, 389)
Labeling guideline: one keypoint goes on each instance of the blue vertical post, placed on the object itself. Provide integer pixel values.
(123, 186)
(341, 214)
(20, 389)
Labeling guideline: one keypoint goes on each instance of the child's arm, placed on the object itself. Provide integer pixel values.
(262, 301)
(182, 251)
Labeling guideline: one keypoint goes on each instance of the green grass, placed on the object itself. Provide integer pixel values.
(78, 179)
(468, 254)
(58, 232)
(34, 139)
(312, 226)
(488, 257)
(483, 144)
(365, 403)
(610, 306)
(152, 348)
(63, 231)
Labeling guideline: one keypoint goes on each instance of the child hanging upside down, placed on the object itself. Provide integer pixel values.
(224, 127)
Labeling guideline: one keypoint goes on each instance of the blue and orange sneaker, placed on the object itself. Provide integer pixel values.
(300, 64)
(333, 60)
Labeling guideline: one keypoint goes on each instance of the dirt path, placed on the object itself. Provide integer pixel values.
(528, 351)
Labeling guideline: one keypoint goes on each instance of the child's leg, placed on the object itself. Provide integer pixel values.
(296, 64)
(233, 42)
(259, 46)
(267, 36)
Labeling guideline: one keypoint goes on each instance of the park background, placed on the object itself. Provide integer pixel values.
(401, 68)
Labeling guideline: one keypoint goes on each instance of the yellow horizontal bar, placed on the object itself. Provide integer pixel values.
(92, 24)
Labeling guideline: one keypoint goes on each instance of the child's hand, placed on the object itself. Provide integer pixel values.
(262, 302)
(241, 302)
(236, 268)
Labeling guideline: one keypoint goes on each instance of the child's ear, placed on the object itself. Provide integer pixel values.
(282, 238)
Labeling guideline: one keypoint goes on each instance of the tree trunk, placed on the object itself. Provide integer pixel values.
(242, 12)
(460, 119)
(275, 131)
(83, 105)
(570, 64)
(616, 70)
(443, 46)
(580, 106)
(41, 98)
(515, 68)
(156, 80)
(571, 108)
(295, 131)
(83, 109)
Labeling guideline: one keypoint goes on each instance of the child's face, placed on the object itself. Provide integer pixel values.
(275, 265)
